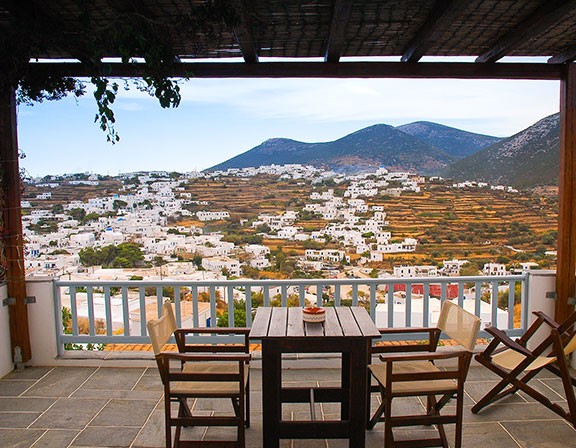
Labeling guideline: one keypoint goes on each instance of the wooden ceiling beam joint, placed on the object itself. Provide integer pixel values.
(244, 35)
(443, 13)
(337, 35)
(547, 15)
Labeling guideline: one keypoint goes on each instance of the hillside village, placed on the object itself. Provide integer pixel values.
(335, 226)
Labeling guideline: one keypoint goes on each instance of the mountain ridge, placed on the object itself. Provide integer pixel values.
(369, 147)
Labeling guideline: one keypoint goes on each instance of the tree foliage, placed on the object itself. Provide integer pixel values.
(125, 255)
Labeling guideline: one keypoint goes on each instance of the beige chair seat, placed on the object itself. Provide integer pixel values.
(509, 360)
(379, 372)
(209, 387)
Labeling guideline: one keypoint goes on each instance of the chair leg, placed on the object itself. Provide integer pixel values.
(247, 415)
(376, 417)
(489, 397)
(167, 421)
(388, 433)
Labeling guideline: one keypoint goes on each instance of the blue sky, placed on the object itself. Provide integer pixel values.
(220, 118)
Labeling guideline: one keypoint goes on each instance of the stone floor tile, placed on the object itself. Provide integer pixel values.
(19, 438)
(556, 385)
(477, 389)
(124, 413)
(17, 419)
(549, 434)
(128, 394)
(149, 383)
(105, 437)
(22, 404)
(119, 378)
(13, 388)
(481, 373)
(509, 412)
(70, 413)
(152, 433)
(61, 382)
(29, 373)
(56, 439)
(547, 388)
(483, 434)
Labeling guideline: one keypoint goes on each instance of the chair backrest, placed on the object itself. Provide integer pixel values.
(459, 325)
(162, 329)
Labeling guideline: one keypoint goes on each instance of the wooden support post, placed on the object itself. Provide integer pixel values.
(12, 219)
(566, 270)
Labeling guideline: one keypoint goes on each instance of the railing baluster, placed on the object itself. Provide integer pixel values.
(373, 287)
(125, 311)
(142, 293)
(408, 309)
(159, 301)
(178, 306)
(90, 303)
(248, 298)
(524, 305)
(266, 294)
(284, 295)
(212, 306)
(319, 289)
(231, 316)
(443, 292)
(302, 295)
(355, 294)
(108, 306)
(390, 305)
(58, 317)
(478, 298)
(337, 300)
(494, 303)
(73, 310)
(511, 292)
(460, 294)
(426, 306)
(195, 317)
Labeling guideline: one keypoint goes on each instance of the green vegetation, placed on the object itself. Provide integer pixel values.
(125, 255)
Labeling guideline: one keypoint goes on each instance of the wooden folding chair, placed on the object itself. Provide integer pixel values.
(414, 374)
(205, 371)
(517, 365)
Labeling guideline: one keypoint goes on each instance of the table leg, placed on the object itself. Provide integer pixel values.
(271, 384)
(358, 393)
(345, 378)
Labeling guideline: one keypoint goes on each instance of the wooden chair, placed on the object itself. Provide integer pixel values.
(414, 374)
(517, 365)
(205, 371)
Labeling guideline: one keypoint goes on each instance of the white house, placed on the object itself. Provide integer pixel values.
(494, 269)
(216, 264)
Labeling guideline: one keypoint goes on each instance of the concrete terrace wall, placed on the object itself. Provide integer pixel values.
(6, 364)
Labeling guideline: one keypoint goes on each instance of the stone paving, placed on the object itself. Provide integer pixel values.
(64, 407)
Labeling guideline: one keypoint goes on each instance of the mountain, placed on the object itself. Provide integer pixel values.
(455, 142)
(527, 159)
(374, 146)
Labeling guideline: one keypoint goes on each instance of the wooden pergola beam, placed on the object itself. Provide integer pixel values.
(565, 56)
(12, 221)
(244, 34)
(566, 262)
(454, 70)
(337, 35)
(547, 15)
(443, 13)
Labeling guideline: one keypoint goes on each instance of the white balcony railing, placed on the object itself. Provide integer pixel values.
(116, 312)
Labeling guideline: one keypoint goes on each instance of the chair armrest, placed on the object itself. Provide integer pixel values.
(547, 319)
(427, 356)
(508, 342)
(214, 330)
(407, 330)
(186, 357)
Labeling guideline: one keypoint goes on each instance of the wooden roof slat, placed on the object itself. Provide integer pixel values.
(442, 15)
(547, 15)
(565, 56)
(340, 17)
(439, 70)
(244, 35)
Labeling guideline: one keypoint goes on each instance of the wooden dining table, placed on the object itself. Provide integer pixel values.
(347, 331)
